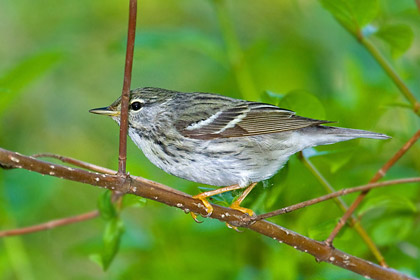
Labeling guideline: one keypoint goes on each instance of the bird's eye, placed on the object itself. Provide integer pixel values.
(135, 106)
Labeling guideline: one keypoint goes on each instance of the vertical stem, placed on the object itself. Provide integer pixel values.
(234, 52)
(408, 94)
(340, 202)
(381, 173)
(125, 96)
(327, 186)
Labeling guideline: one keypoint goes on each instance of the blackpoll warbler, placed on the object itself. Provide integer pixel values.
(220, 141)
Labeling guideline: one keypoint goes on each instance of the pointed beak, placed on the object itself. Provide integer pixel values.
(105, 111)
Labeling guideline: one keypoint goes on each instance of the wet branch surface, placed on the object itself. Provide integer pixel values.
(151, 190)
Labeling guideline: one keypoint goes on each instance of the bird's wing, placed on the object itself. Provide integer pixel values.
(244, 119)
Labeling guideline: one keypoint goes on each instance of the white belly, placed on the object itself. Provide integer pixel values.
(217, 162)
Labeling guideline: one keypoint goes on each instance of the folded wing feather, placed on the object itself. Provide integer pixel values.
(246, 119)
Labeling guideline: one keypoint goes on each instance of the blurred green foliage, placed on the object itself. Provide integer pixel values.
(61, 58)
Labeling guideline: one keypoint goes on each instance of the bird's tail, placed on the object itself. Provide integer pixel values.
(324, 135)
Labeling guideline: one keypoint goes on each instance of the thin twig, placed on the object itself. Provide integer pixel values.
(155, 191)
(379, 174)
(95, 168)
(125, 96)
(333, 195)
(327, 186)
(51, 224)
(76, 162)
(408, 94)
(343, 206)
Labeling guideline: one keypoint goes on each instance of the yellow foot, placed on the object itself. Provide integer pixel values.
(207, 205)
(242, 209)
(194, 216)
(233, 227)
(236, 205)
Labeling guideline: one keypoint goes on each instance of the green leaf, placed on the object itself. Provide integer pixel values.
(181, 38)
(106, 207)
(399, 37)
(275, 186)
(21, 75)
(304, 104)
(130, 200)
(112, 239)
(322, 230)
(224, 199)
(339, 159)
(392, 230)
(352, 14)
(97, 258)
(389, 203)
(272, 97)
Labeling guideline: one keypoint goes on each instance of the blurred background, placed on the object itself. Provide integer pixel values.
(61, 58)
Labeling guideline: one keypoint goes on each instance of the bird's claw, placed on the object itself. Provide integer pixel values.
(194, 216)
(242, 209)
(207, 205)
(233, 227)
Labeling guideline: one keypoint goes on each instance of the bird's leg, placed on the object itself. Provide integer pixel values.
(237, 204)
(203, 198)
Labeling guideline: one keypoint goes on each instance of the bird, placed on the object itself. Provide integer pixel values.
(221, 141)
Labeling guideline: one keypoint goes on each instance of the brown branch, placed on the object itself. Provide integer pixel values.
(327, 186)
(76, 162)
(352, 220)
(379, 174)
(152, 190)
(51, 224)
(125, 96)
(334, 195)
(418, 4)
(95, 168)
